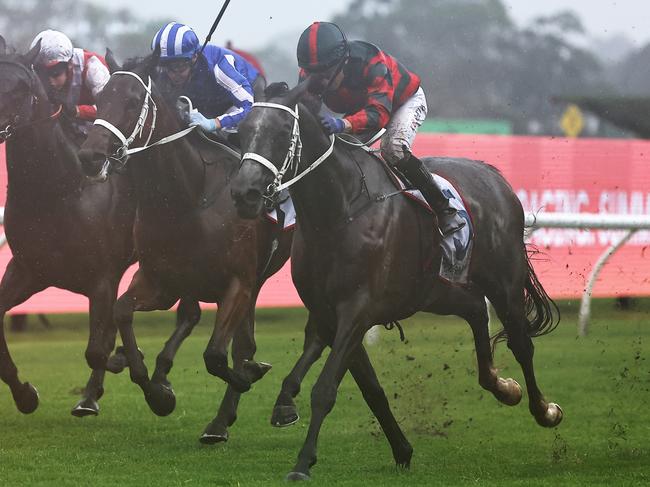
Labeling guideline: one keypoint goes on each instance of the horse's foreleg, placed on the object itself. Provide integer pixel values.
(101, 341)
(285, 412)
(243, 350)
(17, 286)
(230, 316)
(143, 296)
(187, 316)
(349, 335)
(364, 375)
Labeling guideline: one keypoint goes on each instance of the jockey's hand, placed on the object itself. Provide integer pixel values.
(332, 125)
(206, 124)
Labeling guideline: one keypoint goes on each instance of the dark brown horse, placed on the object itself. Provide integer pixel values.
(362, 257)
(190, 241)
(63, 230)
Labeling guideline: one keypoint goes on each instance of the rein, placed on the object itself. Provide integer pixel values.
(125, 150)
(291, 160)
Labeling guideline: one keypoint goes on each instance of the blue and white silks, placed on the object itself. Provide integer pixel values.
(221, 86)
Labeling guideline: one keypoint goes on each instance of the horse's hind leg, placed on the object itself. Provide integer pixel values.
(187, 316)
(17, 286)
(366, 378)
(285, 412)
(509, 303)
(474, 311)
(101, 341)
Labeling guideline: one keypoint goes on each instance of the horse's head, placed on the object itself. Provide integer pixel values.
(270, 138)
(126, 112)
(20, 90)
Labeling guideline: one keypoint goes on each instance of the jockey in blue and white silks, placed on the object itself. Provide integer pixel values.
(220, 83)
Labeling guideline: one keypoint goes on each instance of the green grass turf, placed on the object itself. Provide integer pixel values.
(460, 434)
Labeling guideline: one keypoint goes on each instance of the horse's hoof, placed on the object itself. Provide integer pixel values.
(403, 458)
(508, 391)
(85, 407)
(161, 399)
(26, 398)
(116, 363)
(213, 438)
(552, 417)
(255, 370)
(296, 476)
(284, 416)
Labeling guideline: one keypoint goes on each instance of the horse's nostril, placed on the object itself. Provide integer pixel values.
(252, 196)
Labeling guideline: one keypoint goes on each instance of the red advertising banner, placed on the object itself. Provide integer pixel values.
(548, 174)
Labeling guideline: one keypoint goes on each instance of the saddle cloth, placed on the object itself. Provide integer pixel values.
(457, 246)
(286, 207)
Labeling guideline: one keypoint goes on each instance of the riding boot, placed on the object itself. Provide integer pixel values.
(449, 220)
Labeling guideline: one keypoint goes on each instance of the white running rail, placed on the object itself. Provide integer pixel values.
(630, 223)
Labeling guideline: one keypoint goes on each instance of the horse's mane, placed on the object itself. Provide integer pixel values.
(136, 62)
(281, 92)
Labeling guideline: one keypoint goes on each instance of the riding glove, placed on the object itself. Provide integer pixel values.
(332, 125)
(206, 124)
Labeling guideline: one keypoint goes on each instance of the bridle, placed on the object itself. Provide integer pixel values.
(291, 161)
(148, 105)
(13, 126)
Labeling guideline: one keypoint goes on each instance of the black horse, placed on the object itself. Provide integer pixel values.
(63, 231)
(363, 257)
(190, 241)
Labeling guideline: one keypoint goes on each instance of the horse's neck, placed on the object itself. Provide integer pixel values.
(170, 175)
(325, 198)
(40, 158)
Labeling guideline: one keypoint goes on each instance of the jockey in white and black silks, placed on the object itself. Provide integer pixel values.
(73, 76)
(373, 90)
(220, 82)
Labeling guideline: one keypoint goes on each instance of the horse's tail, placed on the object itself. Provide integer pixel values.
(542, 313)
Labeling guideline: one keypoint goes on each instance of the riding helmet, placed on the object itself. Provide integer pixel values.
(56, 48)
(321, 46)
(175, 41)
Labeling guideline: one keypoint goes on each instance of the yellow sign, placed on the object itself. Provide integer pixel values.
(572, 121)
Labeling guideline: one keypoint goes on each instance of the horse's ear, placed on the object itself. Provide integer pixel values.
(112, 63)
(29, 58)
(153, 61)
(3, 46)
(295, 95)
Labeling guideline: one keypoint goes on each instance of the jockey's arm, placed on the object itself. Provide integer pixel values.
(97, 75)
(239, 88)
(379, 105)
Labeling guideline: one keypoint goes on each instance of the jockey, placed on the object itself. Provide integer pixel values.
(374, 91)
(74, 77)
(220, 83)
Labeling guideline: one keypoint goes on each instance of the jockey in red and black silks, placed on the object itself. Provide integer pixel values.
(73, 76)
(373, 90)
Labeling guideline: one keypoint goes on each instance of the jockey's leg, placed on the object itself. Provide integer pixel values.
(396, 150)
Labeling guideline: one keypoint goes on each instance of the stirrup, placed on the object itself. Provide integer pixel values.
(453, 229)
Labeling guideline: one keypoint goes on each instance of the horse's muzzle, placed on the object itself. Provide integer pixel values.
(248, 202)
(94, 164)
